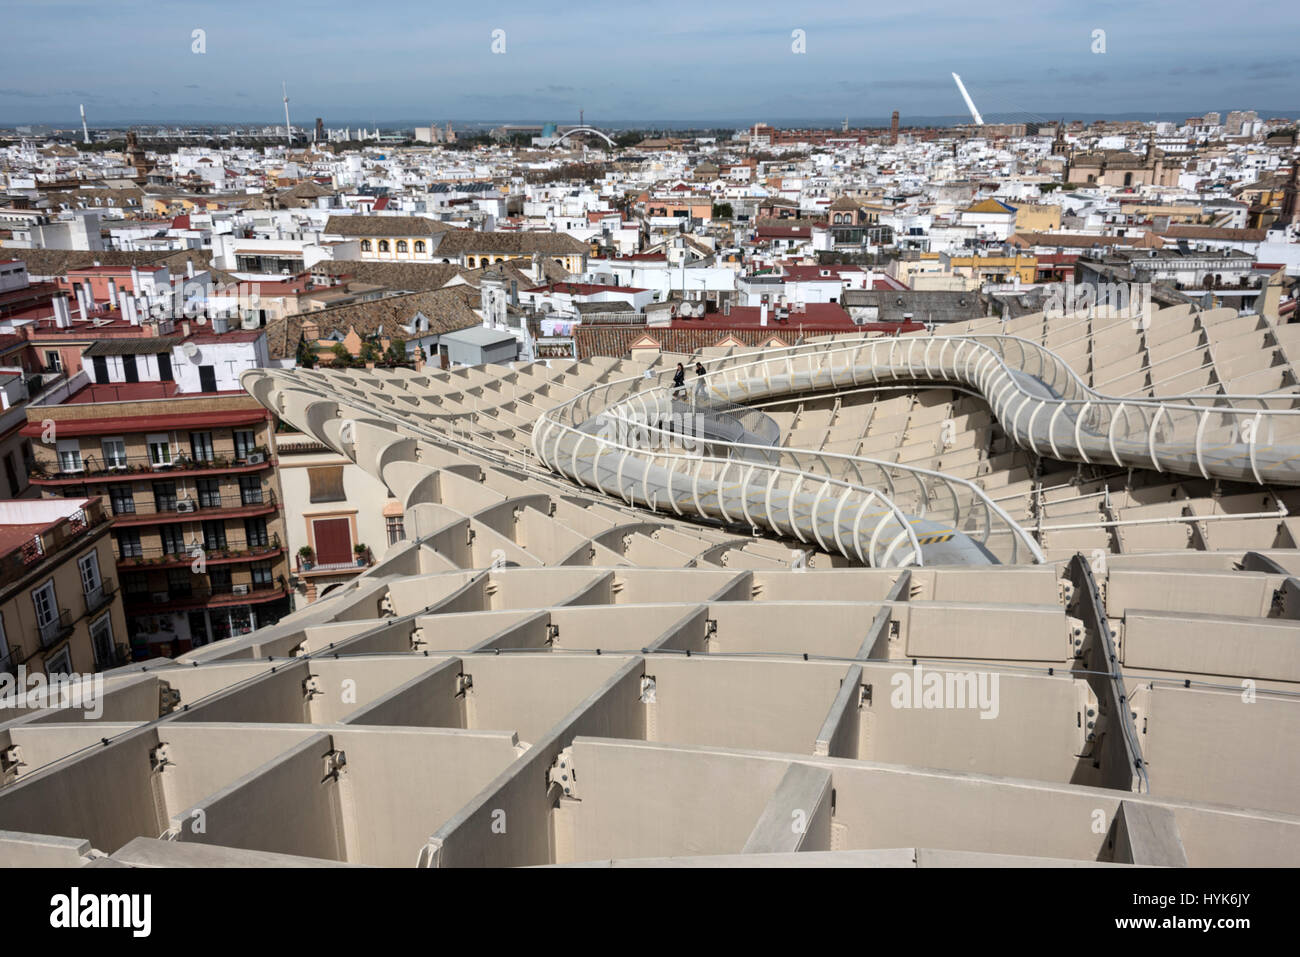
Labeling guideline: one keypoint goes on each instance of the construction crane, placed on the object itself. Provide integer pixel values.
(970, 104)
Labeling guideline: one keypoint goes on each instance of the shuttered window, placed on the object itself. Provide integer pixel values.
(326, 484)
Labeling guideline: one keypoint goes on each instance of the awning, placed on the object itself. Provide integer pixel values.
(114, 425)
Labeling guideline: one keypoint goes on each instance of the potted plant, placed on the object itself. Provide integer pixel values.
(306, 557)
(361, 553)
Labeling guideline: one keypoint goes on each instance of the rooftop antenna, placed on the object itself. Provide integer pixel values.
(288, 130)
(970, 104)
(85, 133)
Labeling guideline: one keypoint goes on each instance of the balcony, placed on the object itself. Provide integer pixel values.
(10, 660)
(192, 506)
(156, 556)
(100, 596)
(39, 548)
(173, 599)
(133, 467)
(50, 633)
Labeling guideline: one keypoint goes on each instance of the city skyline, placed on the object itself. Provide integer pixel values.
(703, 65)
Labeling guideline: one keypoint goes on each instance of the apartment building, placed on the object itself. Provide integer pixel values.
(183, 459)
(60, 607)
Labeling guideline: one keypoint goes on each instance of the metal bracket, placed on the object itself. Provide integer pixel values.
(169, 698)
(335, 761)
(311, 687)
(159, 757)
(552, 633)
(864, 695)
(710, 628)
(463, 683)
(417, 638)
(562, 773)
(647, 689)
(11, 759)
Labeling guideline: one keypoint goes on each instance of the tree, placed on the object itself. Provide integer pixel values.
(341, 355)
(306, 358)
(396, 353)
(722, 211)
(370, 351)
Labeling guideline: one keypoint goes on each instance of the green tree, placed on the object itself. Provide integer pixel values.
(370, 351)
(341, 355)
(396, 352)
(306, 358)
(722, 211)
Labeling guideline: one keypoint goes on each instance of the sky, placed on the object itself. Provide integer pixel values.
(135, 61)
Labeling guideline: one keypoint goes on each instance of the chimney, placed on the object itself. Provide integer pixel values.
(135, 280)
(112, 294)
(185, 328)
(131, 310)
(81, 301)
(189, 268)
(762, 313)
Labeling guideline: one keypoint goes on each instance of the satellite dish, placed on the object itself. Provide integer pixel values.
(191, 351)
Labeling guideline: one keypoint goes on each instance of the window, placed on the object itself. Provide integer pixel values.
(245, 443)
(209, 493)
(136, 585)
(214, 535)
(419, 245)
(69, 452)
(261, 574)
(91, 584)
(207, 378)
(332, 540)
(164, 496)
(165, 368)
(219, 579)
(201, 446)
(326, 484)
(160, 450)
(101, 640)
(383, 245)
(180, 584)
(60, 663)
(255, 532)
(401, 246)
(250, 490)
(128, 544)
(47, 612)
(173, 540)
(53, 361)
(130, 371)
(114, 450)
(396, 529)
(365, 245)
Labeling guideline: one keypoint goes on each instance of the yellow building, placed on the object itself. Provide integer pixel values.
(978, 270)
(1037, 219)
(60, 609)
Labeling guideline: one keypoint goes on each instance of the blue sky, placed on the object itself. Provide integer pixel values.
(132, 60)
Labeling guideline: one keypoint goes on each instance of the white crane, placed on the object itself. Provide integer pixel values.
(970, 104)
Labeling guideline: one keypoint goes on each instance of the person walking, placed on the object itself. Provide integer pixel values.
(700, 384)
(679, 382)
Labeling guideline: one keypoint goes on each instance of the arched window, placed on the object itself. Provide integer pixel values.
(401, 245)
(469, 261)
(365, 245)
(383, 245)
(419, 245)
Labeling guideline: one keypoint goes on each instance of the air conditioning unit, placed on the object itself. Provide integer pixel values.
(256, 458)
(159, 598)
(186, 506)
(239, 589)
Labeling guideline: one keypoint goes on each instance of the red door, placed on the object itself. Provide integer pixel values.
(333, 540)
